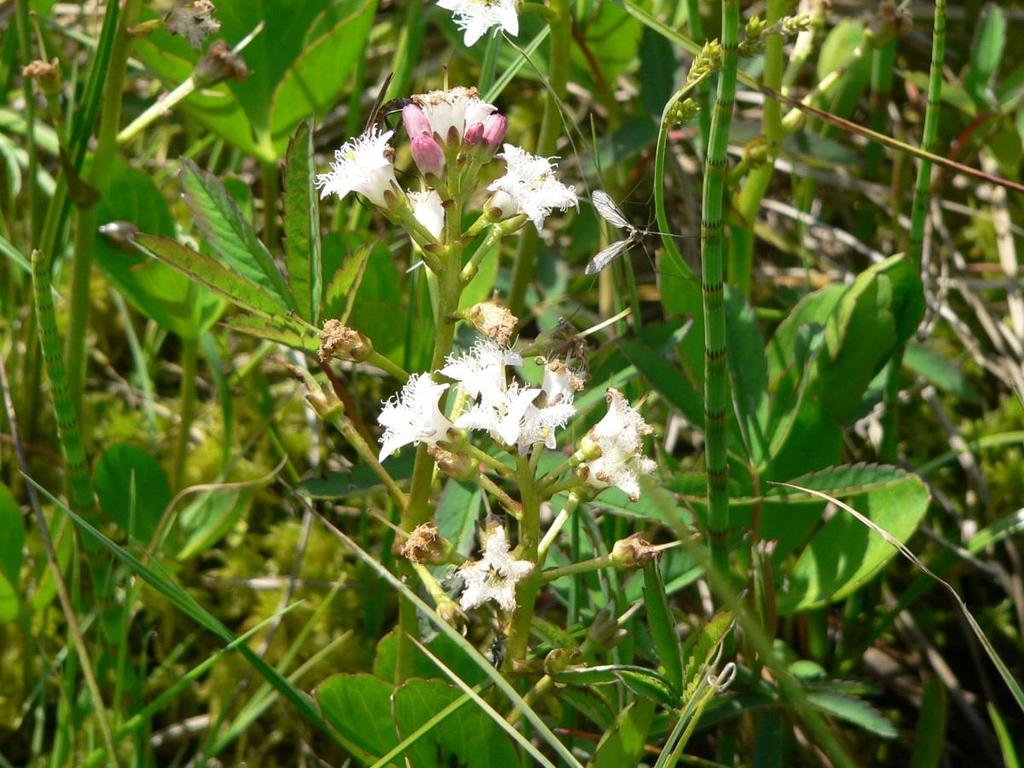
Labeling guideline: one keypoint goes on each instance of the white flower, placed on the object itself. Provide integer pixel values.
(413, 416)
(475, 17)
(560, 383)
(500, 413)
(364, 165)
(193, 21)
(458, 108)
(529, 186)
(539, 425)
(620, 436)
(494, 576)
(428, 210)
(482, 368)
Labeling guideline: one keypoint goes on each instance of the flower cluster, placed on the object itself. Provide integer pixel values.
(452, 133)
(476, 17)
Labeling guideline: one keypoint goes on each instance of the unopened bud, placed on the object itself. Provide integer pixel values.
(683, 112)
(495, 127)
(218, 65)
(494, 320)
(46, 74)
(604, 632)
(757, 151)
(426, 545)
(474, 135)
(415, 121)
(339, 341)
(456, 465)
(500, 207)
(323, 401)
(632, 551)
(428, 155)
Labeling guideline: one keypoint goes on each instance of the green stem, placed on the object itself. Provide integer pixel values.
(749, 201)
(918, 215)
(584, 566)
(716, 381)
(85, 232)
(187, 407)
(490, 61)
(529, 541)
(560, 21)
(271, 193)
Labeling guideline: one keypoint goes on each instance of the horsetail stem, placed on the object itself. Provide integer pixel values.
(716, 382)
(922, 189)
(79, 483)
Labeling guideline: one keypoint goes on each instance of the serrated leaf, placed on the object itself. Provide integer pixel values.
(209, 272)
(700, 649)
(302, 225)
(283, 330)
(228, 233)
(662, 626)
(343, 274)
(854, 711)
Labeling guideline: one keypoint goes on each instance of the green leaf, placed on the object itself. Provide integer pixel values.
(854, 711)
(700, 649)
(172, 300)
(343, 269)
(666, 379)
(663, 626)
(441, 646)
(207, 271)
(640, 680)
(930, 733)
(320, 73)
(121, 468)
(12, 539)
(283, 330)
(986, 53)
(838, 53)
(748, 372)
(302, 225)
(458, 509)
(210, 517)
(359, 707)
(773, 747)
(466, 737)
(624, 743)
(228, 233)
(844, 554)
(876, 315)
(939, 370)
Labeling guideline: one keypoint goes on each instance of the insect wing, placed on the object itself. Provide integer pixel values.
(604, 257)
(609, 211)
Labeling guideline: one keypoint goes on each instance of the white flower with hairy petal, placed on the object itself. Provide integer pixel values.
(457, 108)
(481, 369)
(500, 413)
(364, 165)
(413, 416)
(529, 186)
(620, 436)
(428, 210)
(476, 17)
(539, 425)
(494, 576)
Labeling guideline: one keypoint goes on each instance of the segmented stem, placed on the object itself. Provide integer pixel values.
(922, 189)
(79, 483)
(716, 381)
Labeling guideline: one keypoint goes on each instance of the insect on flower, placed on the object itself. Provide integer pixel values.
(610, 212)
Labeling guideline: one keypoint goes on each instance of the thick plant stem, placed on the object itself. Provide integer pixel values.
(558, 75)
(186, 406)
(749, 200)
(85, 232)
(529, 541)
(918, 214)
(716, 381)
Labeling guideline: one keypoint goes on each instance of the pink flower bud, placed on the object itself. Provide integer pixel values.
(494, 130)
(428, 155)
(416, 123)
(474, 134)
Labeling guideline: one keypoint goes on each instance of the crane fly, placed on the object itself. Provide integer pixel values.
(608, 210)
